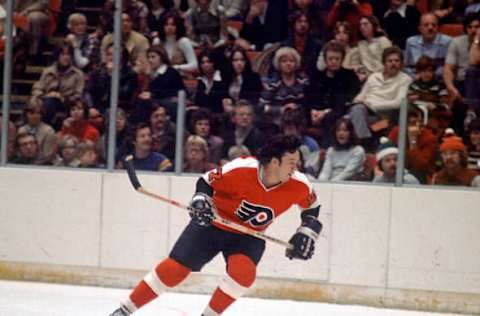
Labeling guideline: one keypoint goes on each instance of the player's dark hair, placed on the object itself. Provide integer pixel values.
(278, 146)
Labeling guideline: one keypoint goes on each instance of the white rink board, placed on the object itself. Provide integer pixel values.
(379, 239)
(134, 227)
(50, 216)
(434, 242)
(359, 235)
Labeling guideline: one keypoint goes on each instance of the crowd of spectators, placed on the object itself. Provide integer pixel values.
(334, 73)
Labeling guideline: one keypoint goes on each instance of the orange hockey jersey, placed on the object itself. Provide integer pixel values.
(240, 196)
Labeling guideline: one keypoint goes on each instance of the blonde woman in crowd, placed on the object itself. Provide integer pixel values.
(196, 155)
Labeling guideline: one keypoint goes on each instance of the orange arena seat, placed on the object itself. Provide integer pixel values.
(451, 29)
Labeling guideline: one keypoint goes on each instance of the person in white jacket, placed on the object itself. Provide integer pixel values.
(381, 95)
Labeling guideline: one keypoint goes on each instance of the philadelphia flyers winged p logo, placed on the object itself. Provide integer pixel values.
(255, 215)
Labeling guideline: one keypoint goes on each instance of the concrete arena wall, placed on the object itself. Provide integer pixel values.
(382, 246)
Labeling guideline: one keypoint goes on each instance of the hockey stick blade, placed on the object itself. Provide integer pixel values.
(132, 175)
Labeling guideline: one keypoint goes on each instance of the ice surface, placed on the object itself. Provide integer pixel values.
(41, 299)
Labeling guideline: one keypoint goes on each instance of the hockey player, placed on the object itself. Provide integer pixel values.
(246, 191)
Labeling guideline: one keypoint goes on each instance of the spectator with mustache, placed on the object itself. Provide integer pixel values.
(381, 95)
(144, 158)
(429, 43)
(454, 159)
(387, 155)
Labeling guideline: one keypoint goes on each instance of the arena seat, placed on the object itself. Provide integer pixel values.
(451, 29)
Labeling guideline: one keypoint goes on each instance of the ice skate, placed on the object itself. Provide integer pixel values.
(120, 312)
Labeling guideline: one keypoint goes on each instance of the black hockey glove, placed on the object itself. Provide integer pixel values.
(303, 241)
(200, 209)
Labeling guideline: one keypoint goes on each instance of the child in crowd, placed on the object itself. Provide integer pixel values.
(430, 95)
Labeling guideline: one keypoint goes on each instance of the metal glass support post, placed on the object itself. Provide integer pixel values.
(180, 131)
(117, 44)
(7, 81)
(402, 141)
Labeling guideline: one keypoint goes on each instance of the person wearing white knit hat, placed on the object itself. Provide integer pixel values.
(386, 156)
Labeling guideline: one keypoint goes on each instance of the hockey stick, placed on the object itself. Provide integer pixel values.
(132, 175)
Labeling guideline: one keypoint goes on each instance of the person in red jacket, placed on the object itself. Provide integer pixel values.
(77, 124)
(421, 146)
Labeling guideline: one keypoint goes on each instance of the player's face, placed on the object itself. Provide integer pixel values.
(288, 165)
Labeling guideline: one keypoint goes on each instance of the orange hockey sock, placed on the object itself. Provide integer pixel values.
(241, 273)
(142, 294)
(168, 273)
